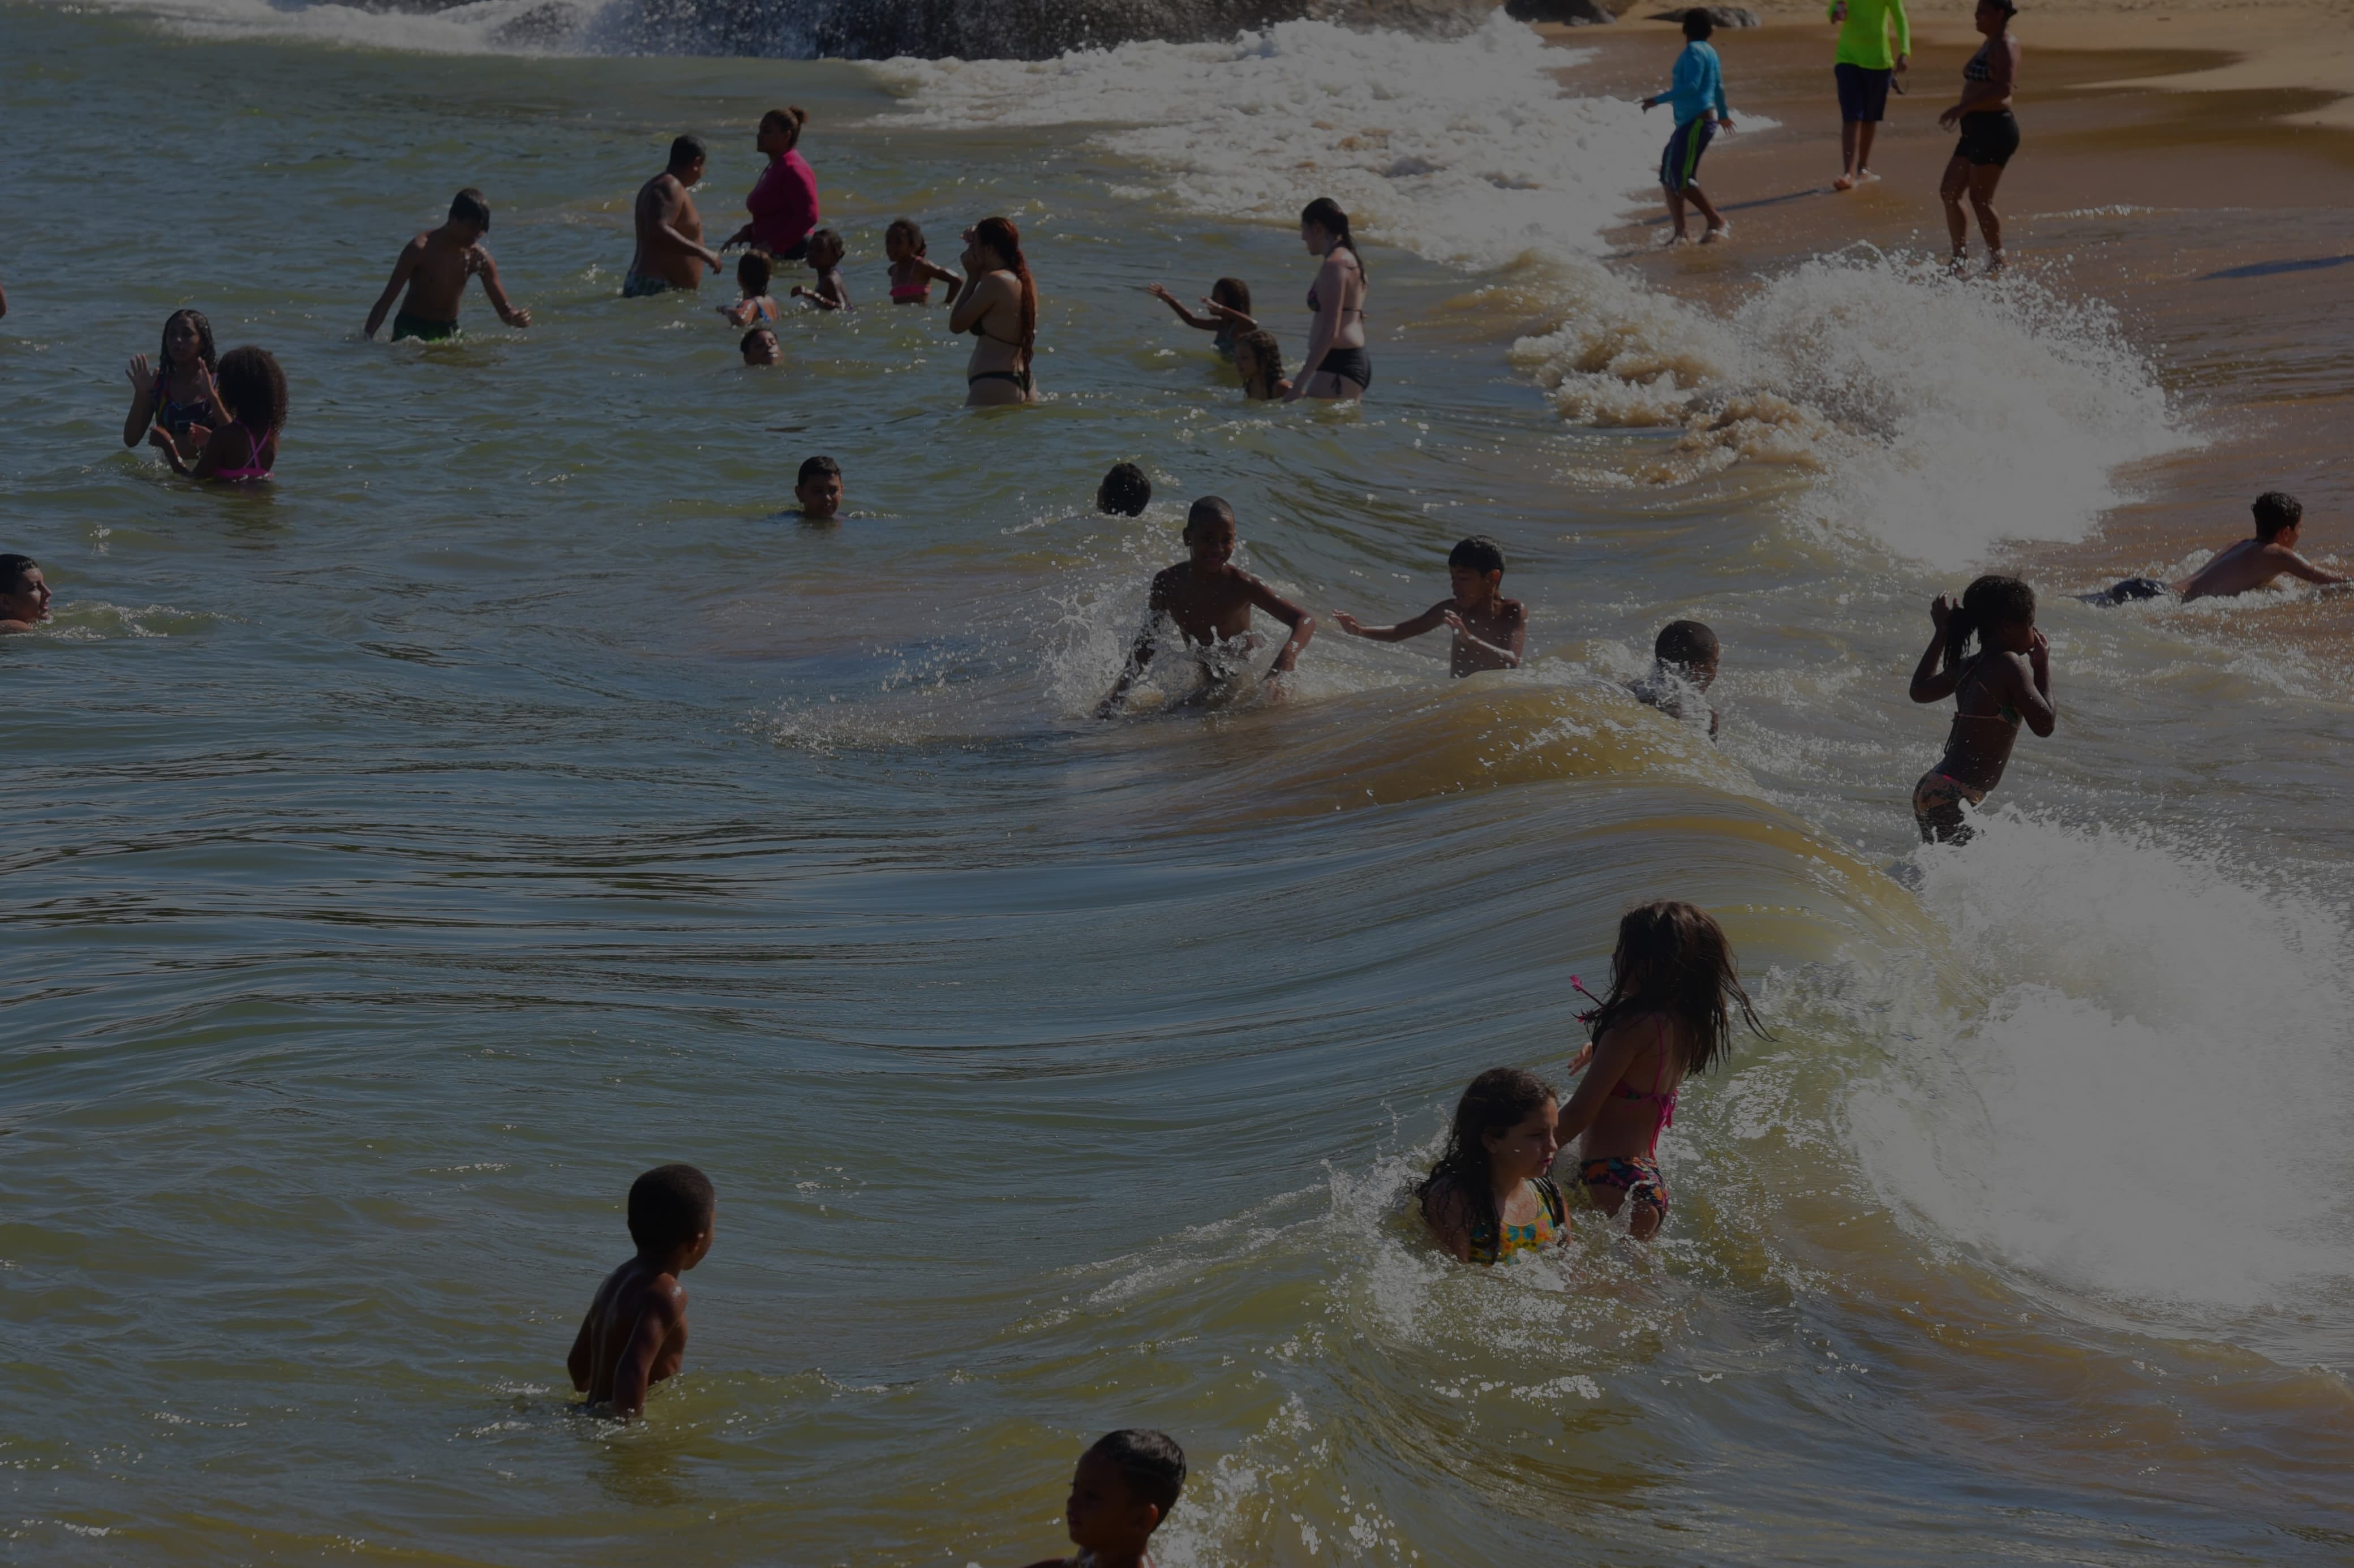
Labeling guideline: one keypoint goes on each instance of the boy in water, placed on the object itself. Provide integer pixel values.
(1490, 629)
(1683, 666)
(635, 1333)
(825, 253)
(1125, 492)
(23, 594)
(1124, 1487)
(1211, 600)
(2250, 564)
(760, 347)
(1697, 96)
(434, 268)
(819, 489)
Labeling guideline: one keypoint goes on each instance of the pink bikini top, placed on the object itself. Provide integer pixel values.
(1666, 1102)
(254, 467)
(911, 293)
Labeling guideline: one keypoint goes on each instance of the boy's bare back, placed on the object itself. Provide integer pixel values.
(2250, 564)
(634, 1336)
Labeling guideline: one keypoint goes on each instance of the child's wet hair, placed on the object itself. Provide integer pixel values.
(1125, 490)
(205, 350)
(669, 1205)
(1698, 23)
(1497, 1101)
(744, 344)
(831, 240)
(1150, 1462)
(1233, 293)
(13, 569)
(1990, 602)
(254, 388)
(907, 230)
(1267, 351)
(753, 273)
(1673, 958)
(1479, 553)
(1209, 509)
(471, 206)
(817, 468)
(1685, 645)
(2276, 510)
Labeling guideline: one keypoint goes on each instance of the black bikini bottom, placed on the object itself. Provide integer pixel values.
(1349, 364)
(1019, 377)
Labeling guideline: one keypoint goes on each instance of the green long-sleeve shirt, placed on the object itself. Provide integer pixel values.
(1863, 37)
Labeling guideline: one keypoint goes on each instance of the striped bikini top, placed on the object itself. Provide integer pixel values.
(1980, 69)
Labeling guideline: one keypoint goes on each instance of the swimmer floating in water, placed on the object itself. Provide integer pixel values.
(635, 1333)
(2009, 679)
(1125, 490)
(760, 346)
(434, 268)
(1124, 1487)
(1490, 629)
(2250, 564)
(818, 488)
(1210, 600)
(23, 594)
(1683, 667)
(1489, 1198)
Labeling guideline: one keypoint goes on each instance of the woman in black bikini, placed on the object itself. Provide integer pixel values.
(2008, 680)
(175, 395)
(999, 307)
(1337, 366)
(1989, 133)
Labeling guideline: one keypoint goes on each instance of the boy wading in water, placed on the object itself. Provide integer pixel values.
(1210, 600)
(434, 268)
(2248, 564)
(635, 1333)
(1124, 1487)
(670, 253)
(1697, 96)
(1490, 629)
(2007, 680)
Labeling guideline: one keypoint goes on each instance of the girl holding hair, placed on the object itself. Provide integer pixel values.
(1489, 1198)
(783, 202)
(2009, 678)
(1229, 304)
(999, 307)
(912, 272)
(177, 397)
(1674, 992)
(1337, 366)
(1259, 362)
(251, 395)
(1989, 133)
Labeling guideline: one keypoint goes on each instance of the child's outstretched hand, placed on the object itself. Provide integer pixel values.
(142, 374)
(1347, 623)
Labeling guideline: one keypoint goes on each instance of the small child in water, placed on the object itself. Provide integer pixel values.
(1210, 600)
(635, 1333)
(1673, 990)
(912, 272)
(251, 391)
(1229, 304)
(1490, 629)
(825, 253)
(752, 274)
(1259, 362)
(23, 594)
(174, 394)
(1122, 1490)
(2250, 564)
(819, 489)
(1125, 492)
(1683, 666)
(2009, 678)
(434, 268)
(1489, 1198)
(760, 346)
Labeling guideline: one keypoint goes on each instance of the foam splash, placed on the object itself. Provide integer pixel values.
(482, 27)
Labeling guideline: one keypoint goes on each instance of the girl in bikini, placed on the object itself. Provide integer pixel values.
(912, 272)
(1337, 367)
(1229, 304)
(2009, 678)
(1489, 1198)
(756, 308)
(176, 398)
(1673, 990)
(251, 395)
(1259, 362)
(999, 307)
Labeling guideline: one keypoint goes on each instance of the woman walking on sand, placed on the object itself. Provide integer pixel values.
(1990, 134)
(783, 202)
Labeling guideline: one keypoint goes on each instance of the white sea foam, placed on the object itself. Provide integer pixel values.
(484, 27)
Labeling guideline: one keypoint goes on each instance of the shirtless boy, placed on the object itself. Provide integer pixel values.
(2250, 564)
(1124, 1487)
(23, 594)
(635, 1333)
(1490, 629)
(434, 268)
(818, 488)
(1683, 667)
(1210, 600)
(670, 253)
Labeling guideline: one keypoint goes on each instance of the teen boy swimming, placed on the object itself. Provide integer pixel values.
(1490, 629)
(2250, 564)
(635, 1333)
(434, 268)
(1210, 601)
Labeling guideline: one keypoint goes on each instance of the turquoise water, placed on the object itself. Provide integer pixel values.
(516, 795)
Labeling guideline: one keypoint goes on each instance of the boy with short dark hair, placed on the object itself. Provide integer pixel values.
(23, 594)
(760, 346)
(1124, 492)
(1210, 601)
(2250, 564)
(1683, 666)
(1697, 96)
(819, 489)
(1490, 629)
(1122, 1490)
(635, 1333)
(434, 268)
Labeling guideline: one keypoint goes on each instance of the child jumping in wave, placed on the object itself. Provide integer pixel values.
(434, 268)
(912, 272)
(1489, 1198)
(635, 1333)
(175, 395)
(1124, 1487)
(1490, 629)
(1673, 990)
(825, 253)
(755, 309)
(1260, 362)
(1210, 600)
(251, 394)
(2009, 679)
(1229, 304)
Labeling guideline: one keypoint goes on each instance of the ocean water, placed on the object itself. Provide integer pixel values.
(517, 795)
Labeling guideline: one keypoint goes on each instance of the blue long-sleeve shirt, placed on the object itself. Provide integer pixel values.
(1698, 84)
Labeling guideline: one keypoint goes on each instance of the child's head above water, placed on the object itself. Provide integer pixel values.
(188, 338)
(819, 488)
(254, 389)
(672, 1208)
(470, 209)
(1502, 1132)
(1123, 1488)
(1476, 568)
(825, 249)
(1673, 958)
(1233, 293)
(1259, 360)
(902, 239)
(1688, 649)
(1999, 611)
(1211, 531)
(2278, 512)
(24, 591)
(1124, 491)
(752, 273)
(760, 347)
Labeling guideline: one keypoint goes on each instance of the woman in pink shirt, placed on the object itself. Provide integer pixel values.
(784, 201)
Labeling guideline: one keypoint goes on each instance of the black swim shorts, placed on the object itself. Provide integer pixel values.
(1862, 92)
(1990, 136)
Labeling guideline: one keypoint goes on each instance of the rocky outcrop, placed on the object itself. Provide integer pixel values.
(1722, 16)
(1569, 12)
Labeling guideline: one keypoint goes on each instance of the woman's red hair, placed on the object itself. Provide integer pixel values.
(1000, 235)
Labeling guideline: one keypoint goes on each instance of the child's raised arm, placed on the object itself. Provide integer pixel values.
(2296, 565)
(511, 315)
(2031, 688)
(1206, 323)
(1429, 621)
(1935, 678)
(402, 270)
(1302, 624)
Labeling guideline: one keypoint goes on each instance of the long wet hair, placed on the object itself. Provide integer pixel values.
(1326, 214)
(1499, 1101)
(788, 120)
(204, 340)
(1000, 235)
(1988, 602)
(1262, 345)
(254, 389)
(1672, 958)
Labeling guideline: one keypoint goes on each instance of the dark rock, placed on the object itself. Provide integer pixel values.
(1722, 16)
(1569, 12)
